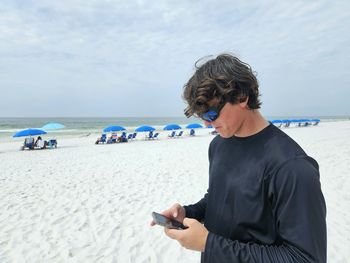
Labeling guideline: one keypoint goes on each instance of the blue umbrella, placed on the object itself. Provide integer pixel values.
(53, 126)
(194, 126)
(210, 126)
(285, 121)
(170, 127)
(29, 132)
(113, 128)
(276, 121)
(145, 128)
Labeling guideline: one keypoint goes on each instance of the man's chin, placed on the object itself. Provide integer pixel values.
(224, 135)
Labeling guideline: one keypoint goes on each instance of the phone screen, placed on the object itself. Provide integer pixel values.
(167, 222)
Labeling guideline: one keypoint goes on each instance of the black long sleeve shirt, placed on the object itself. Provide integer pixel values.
(264, 202)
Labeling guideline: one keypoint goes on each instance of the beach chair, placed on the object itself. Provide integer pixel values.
(180, 134)
(277, 123)
(134, 135)
(172, 135)
(41, 144)
(102, 139)
(192, 132)
(130, 136)
(114, 138)
(28, 143)
(314, 122)
(155, 136)
(285, 123)
(149, 136)
(52, 143)
(123, 138)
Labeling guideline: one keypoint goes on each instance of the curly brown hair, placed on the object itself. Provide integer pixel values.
(224, 78)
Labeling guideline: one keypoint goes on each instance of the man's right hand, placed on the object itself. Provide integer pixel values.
(176, 211)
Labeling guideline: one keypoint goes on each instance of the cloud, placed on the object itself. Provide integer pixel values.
(143, 50)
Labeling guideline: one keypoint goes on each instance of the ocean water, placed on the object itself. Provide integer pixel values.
(86, 126)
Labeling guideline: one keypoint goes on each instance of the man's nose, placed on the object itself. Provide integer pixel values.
(206, 123)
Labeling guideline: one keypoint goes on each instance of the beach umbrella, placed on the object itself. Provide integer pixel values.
(276, 121)
(144, 128)
(170, 127)
(210, 126)
(53, 126)
(114, 128)
(29, 132)
(194, 126)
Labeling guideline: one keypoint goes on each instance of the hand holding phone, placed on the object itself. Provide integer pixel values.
(167, 222)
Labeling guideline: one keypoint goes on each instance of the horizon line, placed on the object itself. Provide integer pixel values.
(60, 117)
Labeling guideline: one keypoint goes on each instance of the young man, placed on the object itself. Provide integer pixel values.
(264, 202)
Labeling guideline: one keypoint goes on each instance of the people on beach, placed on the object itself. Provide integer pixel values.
(37, 140)
(101, 139)
(122, 138)
(39, 143)
(264, 201)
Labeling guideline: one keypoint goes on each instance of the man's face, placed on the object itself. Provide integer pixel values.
(230, 120)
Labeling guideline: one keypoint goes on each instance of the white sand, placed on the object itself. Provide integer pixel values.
(92, 203)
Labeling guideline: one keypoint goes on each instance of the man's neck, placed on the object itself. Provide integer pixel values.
(253, 123)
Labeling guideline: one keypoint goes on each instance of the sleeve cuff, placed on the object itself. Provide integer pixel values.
(208, 247)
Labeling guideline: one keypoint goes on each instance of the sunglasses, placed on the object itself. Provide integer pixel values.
(213, 113)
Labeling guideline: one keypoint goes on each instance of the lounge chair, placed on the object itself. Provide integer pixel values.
(314, 122)
(122, 138)
(149, 136)
(130, 136)
(172, 135)
(155, 136)
(28, 143)
(41, 144)
(102, 139)
(180, 134)
(277, 123)
(51, 143)
(113, 138)
(134, 135)
(192, 132)
(285, 123)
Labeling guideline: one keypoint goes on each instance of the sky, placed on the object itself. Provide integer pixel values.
(104, 58)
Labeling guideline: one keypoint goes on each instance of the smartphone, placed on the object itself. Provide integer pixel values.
(167, 222)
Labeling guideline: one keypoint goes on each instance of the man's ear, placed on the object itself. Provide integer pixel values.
(243, 102)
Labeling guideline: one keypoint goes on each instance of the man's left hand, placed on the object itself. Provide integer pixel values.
(194, 237)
